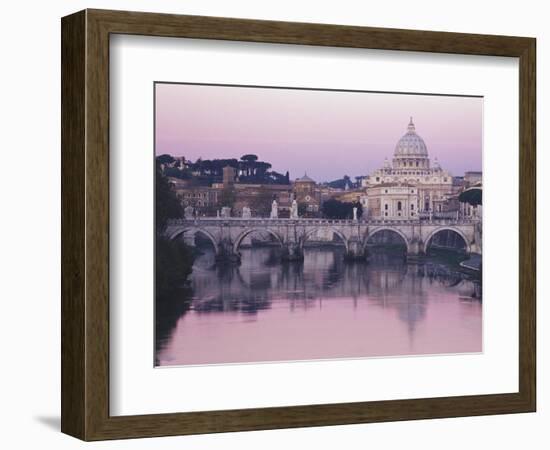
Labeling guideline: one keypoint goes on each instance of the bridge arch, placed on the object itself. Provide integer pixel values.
(443, 228)
(248, 231)
(334, 230)
(392, 229)
(206, 233)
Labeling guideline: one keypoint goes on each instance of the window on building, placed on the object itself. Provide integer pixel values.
(386, 207)
(412, 206)
(399, 206)
(386, 214)
(377, 178)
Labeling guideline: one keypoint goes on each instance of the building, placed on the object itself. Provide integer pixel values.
(410, 168)
(259, 198)
(472, 178)
(392, 201)
(411, 186)
(202, 198)
(307, 195)
(349, 196)
(208, 200)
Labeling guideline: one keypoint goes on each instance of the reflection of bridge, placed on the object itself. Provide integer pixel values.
(387, 279)
(227, 235)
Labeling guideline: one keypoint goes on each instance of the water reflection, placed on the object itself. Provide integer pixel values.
(263, 310)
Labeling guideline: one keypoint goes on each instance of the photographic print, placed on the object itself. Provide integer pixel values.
(296, 224)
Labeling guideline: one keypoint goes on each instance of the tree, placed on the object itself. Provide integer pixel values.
(472, 196)
(260, 203)
(335, 209)
(228, 197)
(182, 174)
(249, 158)
(302, 209)
(359, 207)
(173, 259)
(167, 204)
(173, 264)
(342, 183)
(165, 159)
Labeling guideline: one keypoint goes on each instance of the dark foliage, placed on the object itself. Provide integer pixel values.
(167, 205)
(302, 209)
(174, 259)
(473, 196)
(165, 159)
(343, 183)
(174, 262)
(335, 209)
(208, 171)
(176, 172)
(228, 198)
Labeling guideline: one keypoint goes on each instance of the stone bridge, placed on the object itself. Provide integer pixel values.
(227, 234)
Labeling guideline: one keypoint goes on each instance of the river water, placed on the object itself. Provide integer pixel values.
(323, 308)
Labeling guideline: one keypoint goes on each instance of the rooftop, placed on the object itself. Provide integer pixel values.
(305, 179)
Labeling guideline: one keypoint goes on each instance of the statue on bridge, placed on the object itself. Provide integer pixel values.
(226, 212)
(355, 213)
(294, 210)
(247, 214)
(274, 210)
(188, 212)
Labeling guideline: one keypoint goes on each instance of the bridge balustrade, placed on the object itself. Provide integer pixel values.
(442, 220)
(227, 233)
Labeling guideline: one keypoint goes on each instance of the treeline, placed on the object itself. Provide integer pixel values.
(345, 183)
(173, 259)
(207, 171)
(335, 209)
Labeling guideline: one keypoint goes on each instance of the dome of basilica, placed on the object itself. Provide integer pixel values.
(411, 145)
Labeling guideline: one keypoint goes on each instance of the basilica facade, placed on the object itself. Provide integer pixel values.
(409, 185)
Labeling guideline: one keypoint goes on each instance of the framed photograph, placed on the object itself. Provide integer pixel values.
(272, 224)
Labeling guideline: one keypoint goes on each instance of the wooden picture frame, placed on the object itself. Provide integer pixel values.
(85, 224)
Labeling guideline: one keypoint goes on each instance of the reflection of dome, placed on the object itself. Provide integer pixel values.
(411, 145)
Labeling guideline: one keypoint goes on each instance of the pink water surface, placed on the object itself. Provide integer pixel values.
(263, 313)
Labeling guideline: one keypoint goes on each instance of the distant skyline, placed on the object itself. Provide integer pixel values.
(327, 134)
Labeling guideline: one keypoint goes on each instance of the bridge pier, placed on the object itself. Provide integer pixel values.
(415, 249)
(292, 251)
(475, 248)
(227, 253)
(355, 251)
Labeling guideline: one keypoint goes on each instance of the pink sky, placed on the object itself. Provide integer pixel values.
(326, 133)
